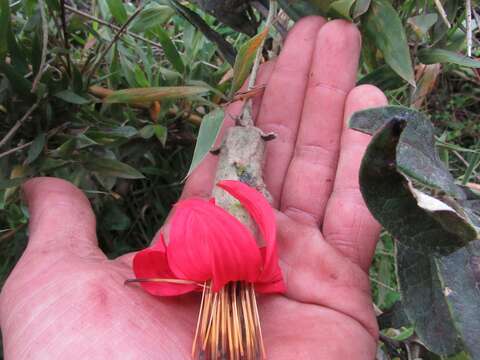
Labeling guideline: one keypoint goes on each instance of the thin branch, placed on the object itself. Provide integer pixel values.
(112, 26)
(15, 149)
(114, 40)
(42, 67)
(442, 13)
(468, 7)
(247, 117)
(19, 123)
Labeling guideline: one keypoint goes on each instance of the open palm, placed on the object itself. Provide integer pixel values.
(65, 300)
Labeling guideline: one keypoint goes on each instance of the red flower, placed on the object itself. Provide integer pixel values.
(207, 243)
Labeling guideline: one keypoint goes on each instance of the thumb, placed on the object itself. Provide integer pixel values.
(61, 218)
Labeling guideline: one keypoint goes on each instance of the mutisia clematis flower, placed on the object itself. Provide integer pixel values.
(206, 243)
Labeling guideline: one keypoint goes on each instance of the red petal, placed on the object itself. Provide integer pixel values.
(206, 242)
(151, 263)
(262, 213)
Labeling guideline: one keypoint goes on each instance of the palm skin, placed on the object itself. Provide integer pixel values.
(65, 300)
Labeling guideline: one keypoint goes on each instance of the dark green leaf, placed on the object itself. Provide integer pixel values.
(153, 16)
(118, 10)
(298, 9)
(424, 302)
(361, 7)
(384, 78)
(113, 218)
(421, 24)
(383, 25)
(109, 167)
(4, 27)
(208, 133)
(169, 48)
(341, 9)
(36, 148)
(434, 56)
(70, 97)
(11, 183)
(223, 46)
(403, 151)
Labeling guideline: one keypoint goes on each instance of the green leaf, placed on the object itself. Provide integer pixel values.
(169, 48)
(207, 135)
(460, 276)
(4, 27)
(161, 133)
(244, 60)
(421, 24)
(434, 56)
(341, 8)
(11, 183)
(118, 10)
(113, 218)
(110, 167)
(225, 48)
(70, 97)
(403, 151)
(424, 302)
(298, 9)
(36, 148)
(383, 26)
(153, 16)
(384, 78)
(361, 7)
(147, 95)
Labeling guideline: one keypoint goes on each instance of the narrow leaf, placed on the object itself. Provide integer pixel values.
(207, 135)
(341, 8)
(147, 95)
(169, 48)
(110, 167)
(383, 25)
(153, 16)
(118, 10)
(70, 97)
(245, 58)
(434, 56)
(36, 148)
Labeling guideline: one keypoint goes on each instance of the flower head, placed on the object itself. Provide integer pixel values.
(209, 244)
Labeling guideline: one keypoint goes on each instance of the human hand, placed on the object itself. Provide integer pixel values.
(64, 299)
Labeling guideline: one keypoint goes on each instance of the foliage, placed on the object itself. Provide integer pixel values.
(111, 96)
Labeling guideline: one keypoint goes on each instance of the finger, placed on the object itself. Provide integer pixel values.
(348, 224)
(283, 100)
(311, 172)
(200, 183)
(61, 218)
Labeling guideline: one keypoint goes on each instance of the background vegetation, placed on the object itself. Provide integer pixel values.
(59, 60)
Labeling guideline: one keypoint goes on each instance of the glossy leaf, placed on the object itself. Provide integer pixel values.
(383, 26)
(299, 8)
(244, 60)
(434, 56)
(207, 135)
(147, 95)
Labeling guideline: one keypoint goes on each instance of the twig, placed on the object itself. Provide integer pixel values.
(112, 26)
(114, 40)
(442, 13)
(468, 7)
(19, 123)
(65, 35)
(42, 67)
(382, 284)
(15, 149)
(247, 117)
